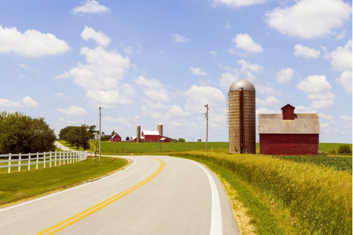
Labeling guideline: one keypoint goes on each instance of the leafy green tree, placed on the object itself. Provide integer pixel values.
(181, 140)
(78, 136)
(20, 133)
(344, 149)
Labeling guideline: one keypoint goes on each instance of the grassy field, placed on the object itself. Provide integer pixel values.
(285, 197)
(63, 142)
(150, 147)
(22, 185)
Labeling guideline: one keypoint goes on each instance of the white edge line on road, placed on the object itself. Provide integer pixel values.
(66, 190)
(216, 214)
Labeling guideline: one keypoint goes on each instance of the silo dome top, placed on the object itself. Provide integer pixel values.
(241, 83)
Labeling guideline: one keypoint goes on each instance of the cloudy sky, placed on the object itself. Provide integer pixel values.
(151, 62)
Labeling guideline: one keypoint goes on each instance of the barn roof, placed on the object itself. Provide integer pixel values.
(116, 134)
(303, 123)
(150, 132)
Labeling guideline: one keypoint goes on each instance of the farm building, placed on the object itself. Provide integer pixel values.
(153, 136)
(115, 138)
(289, 133)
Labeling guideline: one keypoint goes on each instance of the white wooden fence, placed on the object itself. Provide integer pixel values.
(48, 159)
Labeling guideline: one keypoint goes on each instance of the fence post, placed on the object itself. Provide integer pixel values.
(9, 170)
(37, 161)
(86, 155)
(55, 159)
(44, 160)
(59, 158)
(19, 162)
(29, 161)
(50, 159)
(64, 158)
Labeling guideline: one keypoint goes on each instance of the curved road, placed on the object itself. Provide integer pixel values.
(154, 195)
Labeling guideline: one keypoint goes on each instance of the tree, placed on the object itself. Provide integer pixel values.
(20, 133)
(181, 140)
(78, 135)
(344, 149)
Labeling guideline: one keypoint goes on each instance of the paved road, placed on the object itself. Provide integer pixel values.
(154, 195)
(61, 146)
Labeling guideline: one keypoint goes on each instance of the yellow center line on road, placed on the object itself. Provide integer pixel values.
(102, 204)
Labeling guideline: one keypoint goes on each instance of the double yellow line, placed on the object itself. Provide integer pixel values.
(102, 204)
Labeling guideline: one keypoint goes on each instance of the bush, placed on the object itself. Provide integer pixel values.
(344, 149)
(181, 140)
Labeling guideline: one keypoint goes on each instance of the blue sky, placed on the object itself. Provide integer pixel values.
(151, 62)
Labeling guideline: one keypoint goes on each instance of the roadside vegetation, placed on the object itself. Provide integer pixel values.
(286, 197)
(78, 136)
(27, 184)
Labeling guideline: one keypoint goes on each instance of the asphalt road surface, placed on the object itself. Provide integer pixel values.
(154, 195)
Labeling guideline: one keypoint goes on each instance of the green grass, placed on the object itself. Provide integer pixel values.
(63, 142)
(22, 185)
(304, 198)
(338, 163)
(326, 147)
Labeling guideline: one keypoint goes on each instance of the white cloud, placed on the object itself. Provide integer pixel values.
(60, 95)
(73, 110)
(324, 125)
(302, 109)
(314, 84)
(345, 117)
(102, 71)
(163, 112)
(262, 89)
(31, 43)
(67, 122)
(326, 116)
(341, 58)
(285, 75)
(264, 110)
(268, 101)
(317, 89)
(128, 50)
(154, 89)
(306, 52)
(10, 103)
(321, 96)
(214, 53)
(237, 3)
(245, 42)
(91, 6)
(62, 76)
(345, 81)
(341, 35)
(100, 38)
(245, 71)
(198, 96)
(179, 38)
(119, 120)
(198, 71)
(23, 66)
(321, 104)
(309, 18)
(29, 102)
(110, 98)
(228, 26)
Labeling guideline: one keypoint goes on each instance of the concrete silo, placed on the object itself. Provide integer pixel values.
(242, 126)
(138, 134)
(160, 129)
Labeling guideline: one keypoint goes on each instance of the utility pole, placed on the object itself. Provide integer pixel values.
(100, 131)
(206, 115)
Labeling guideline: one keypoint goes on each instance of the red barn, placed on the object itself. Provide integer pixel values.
(115, 138)
(153, 136)
(289, 133)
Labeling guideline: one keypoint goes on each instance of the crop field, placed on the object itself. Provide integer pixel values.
(286, 197)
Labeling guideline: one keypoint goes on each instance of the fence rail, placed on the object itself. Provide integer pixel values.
(47, 159)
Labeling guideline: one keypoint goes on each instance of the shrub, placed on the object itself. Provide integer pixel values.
(181, 140)
(344, 149)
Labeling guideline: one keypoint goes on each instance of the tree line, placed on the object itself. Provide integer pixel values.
(20, 133)
(78, 136)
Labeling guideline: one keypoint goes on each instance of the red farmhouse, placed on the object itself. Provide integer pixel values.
(289, 133)
(115, 138)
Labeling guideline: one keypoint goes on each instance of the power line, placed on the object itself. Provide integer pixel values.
(37, 79)
(31, 92)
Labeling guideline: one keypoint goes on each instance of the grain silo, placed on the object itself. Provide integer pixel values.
(241, 119)
(160, 129)
(138, 134)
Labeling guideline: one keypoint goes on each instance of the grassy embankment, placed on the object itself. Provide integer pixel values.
(285, 197)
(27, 184)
